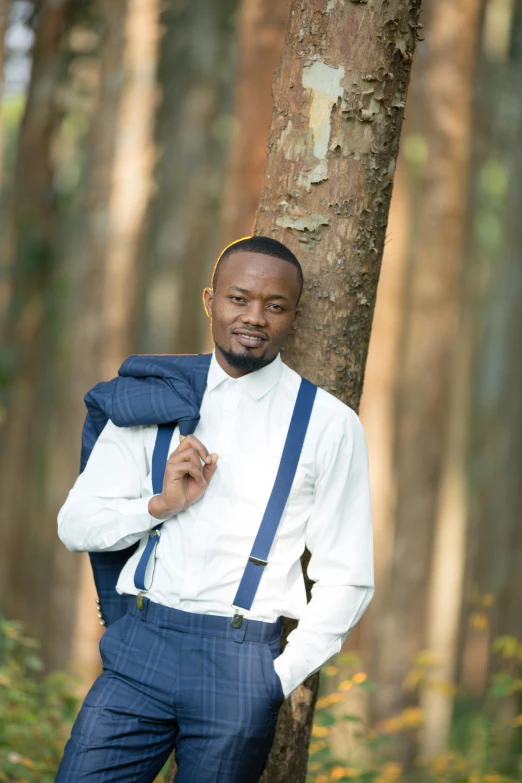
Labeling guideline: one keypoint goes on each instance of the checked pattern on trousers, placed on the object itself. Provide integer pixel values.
(183, 681)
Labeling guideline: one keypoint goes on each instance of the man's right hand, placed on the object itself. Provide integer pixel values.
(187, 475)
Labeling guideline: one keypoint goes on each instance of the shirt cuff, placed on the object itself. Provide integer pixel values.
(292, 669)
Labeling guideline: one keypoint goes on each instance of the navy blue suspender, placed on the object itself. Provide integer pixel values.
(276, 504)
(160, 456)
(268, 528)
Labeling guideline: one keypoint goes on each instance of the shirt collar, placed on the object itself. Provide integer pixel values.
(256, 384)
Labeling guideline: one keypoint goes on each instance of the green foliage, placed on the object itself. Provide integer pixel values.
(483, 747)
(36, 712)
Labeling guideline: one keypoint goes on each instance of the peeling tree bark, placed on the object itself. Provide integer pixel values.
(428, 346)
(339, 98)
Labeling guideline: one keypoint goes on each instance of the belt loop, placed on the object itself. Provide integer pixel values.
(238, 634)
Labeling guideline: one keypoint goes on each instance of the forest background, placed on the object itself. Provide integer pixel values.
(133, 141)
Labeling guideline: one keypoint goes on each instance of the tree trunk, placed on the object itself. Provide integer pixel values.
(474, 642)
(428, 344)
(381, 376)
(384, 355)
(4, 11)
(498, 417)
(377, 416)
(66, 602)
(448, 566)
(261, 32)
(497, 403)
(28, 251)
(339, 98)
(182, 238)
(450, 546)
(117, 191)
(509, 607)
(131, 180)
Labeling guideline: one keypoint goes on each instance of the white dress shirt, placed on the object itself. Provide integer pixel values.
(203, 550)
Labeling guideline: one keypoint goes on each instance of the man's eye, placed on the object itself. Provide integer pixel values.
(236, 298)
(277, 307)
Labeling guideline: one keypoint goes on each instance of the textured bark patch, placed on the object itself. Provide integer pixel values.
(303, 222)
(325, 83)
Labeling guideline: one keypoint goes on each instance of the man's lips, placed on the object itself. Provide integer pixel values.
(250, 339)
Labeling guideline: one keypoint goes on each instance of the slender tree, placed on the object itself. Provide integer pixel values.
(496, 459)
(261, 34)
(449, 561)
(192, 131)
(339, 97)
(131, 178)
(84, 341)
(495, 418)
(428, 345)
(28, 255)
(116, 194)
(4, 10)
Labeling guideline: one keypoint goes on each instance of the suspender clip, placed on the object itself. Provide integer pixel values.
(237, 619)
(139, 599)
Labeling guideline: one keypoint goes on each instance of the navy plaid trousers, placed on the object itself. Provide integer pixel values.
(183, 681)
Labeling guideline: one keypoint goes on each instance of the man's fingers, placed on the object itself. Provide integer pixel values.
(209, 470)
(185, 458)
(191, 442)
(186, 455)
(184, 468)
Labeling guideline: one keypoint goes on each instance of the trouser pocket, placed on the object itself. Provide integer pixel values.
(271, 678)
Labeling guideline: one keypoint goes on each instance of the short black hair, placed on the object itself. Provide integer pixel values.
(265, 246)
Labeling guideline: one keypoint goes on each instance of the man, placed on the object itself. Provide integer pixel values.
(181, 669)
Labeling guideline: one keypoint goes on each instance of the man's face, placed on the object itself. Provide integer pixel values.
(252, 309)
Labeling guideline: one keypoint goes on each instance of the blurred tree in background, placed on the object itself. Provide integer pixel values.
(133, 141)
(432, 300)
(261, 29)
(30, 267)
(193, 127)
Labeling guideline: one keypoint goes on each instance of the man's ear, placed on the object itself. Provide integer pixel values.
(296, 317)
(208, 296)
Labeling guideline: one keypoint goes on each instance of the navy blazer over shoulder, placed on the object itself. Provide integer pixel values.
(148, 390)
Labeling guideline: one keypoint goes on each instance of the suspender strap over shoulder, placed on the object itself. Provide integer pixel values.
(274, 511)
(160, 456)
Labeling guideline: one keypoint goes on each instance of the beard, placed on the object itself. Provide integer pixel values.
(245, 361)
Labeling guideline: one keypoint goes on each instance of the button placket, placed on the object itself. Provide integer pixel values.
(226, 408)
(231, 399)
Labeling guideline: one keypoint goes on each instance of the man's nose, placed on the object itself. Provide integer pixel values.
(254, 314)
